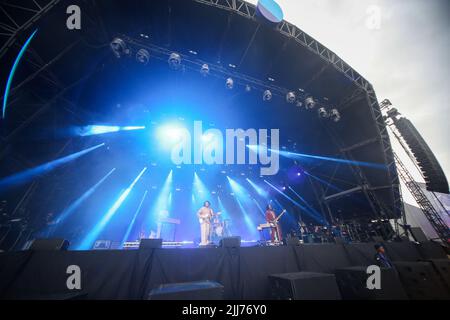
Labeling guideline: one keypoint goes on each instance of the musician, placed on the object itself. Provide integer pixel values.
(205, 214)
(271, 217)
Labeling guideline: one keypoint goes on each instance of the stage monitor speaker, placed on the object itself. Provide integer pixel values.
(304, 286)
(421, 281)
(352, 284)
(419, 235)
(150, 244)
(435, 178)
(201, 290)
(230, 242)
(49, 245)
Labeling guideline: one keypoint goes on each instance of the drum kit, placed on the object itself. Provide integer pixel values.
(220, 228)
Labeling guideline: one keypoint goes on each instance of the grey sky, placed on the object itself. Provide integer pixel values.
(406, 59)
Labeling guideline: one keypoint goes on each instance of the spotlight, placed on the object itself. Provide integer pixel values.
(267, 96)
(119, 47)
(143, 56)
(230, 83)
(204, 71)
(174, 61)
(248, 88)
(290, 97)
(310, 103)
(323, 113)
(335, 115)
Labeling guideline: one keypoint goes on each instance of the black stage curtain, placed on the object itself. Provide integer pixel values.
(123, 274)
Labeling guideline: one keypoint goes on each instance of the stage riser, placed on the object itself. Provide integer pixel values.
(244, 272)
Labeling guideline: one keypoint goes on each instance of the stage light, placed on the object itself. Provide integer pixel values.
(310, 103)
(293, 155)
(248, 88)
(102, 129)
(171, 133)
(130, 226)
(258, 189)
(335, 115)
(119, 48)
(299, 104)
(267, 95)
(230, 83)
(290, 97)
(92, 236)
(204, 70)
(28, 175)
(174, 61)
(323, 113)
(143, 56)
(77, 203)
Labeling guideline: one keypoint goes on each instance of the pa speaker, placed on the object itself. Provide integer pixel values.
(230, 242)
(435, 178)
(352, 284)
(419, 235)
(202, 290)
(304, 286)
(49, 245)
(150, 244)
(420, 281)
(442, 267)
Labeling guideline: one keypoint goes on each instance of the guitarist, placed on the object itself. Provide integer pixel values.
(271, 217)
(204, 215)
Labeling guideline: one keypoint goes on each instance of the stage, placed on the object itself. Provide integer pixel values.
(131, 274)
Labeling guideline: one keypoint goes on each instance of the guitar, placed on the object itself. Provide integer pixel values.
(208, 219)
(279, 217)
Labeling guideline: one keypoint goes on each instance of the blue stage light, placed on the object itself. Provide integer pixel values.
(258, 189)
(77, 203)
(13, 71)
(130, 227)
(28, 175)
(92, 236)
(242, 198)
(163, 201)
(199, 188)
(103, 129)
(172, 133)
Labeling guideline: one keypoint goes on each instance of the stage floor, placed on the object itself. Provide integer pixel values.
(131, 274)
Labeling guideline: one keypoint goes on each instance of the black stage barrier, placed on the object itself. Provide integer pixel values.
(132, 274)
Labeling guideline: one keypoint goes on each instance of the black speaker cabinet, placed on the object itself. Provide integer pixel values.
(304, 286)
(230, 242)
(49, 245)
(150, 244)
(202, 290)
(442, 267)
(421, 281)
(419, 235)
(352, 284)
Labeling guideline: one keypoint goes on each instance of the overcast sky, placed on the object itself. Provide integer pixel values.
(405, 54)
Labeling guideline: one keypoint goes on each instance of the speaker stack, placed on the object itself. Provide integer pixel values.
(202, 290)
(304, 286)
(352, 284)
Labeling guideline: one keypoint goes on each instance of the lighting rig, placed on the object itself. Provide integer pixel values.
(124, 46)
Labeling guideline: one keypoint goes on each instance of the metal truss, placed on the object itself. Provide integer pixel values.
(194, 64)
(388, 152)
(290, 30)
(19, 17)
(425, 205)
(249, 11)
